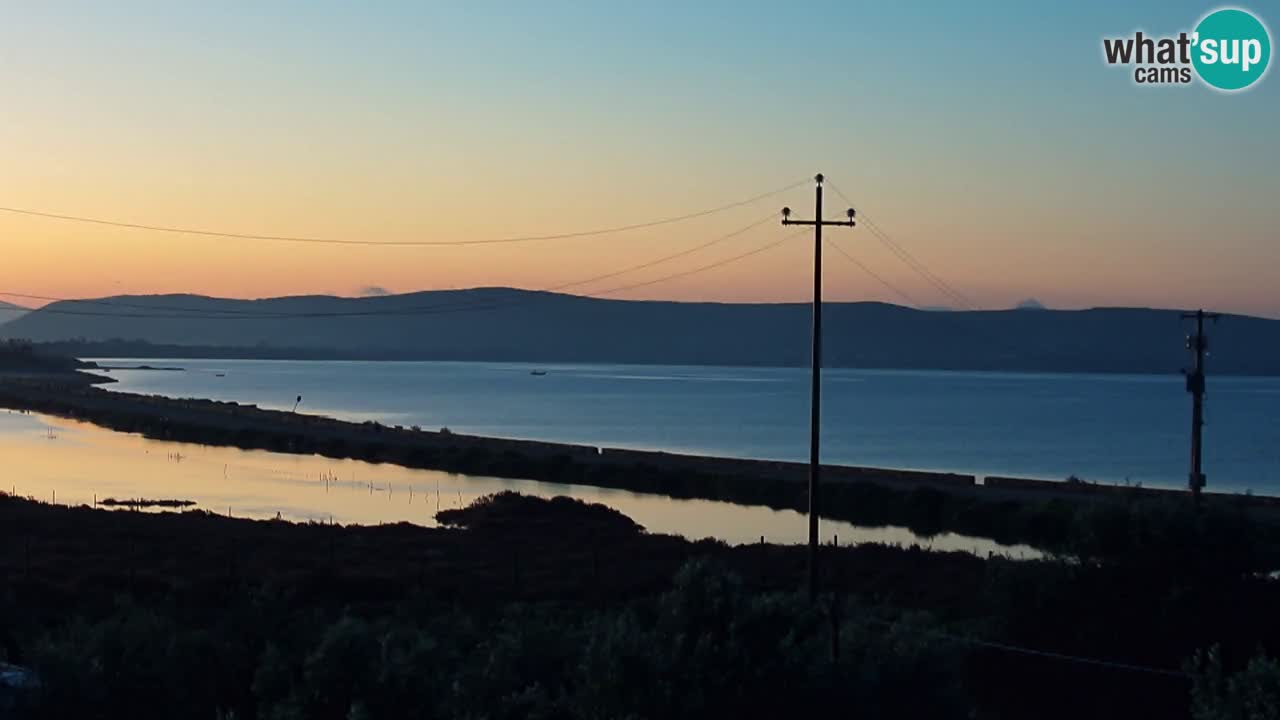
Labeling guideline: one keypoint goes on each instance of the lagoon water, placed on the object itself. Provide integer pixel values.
(1107, 428)
(73, 463)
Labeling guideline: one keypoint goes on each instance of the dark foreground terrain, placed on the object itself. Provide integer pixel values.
(554, 609)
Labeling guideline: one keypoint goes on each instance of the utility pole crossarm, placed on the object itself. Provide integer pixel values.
(815, 416)
(840, 223)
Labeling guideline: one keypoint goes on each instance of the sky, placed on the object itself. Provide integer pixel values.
(989, 140)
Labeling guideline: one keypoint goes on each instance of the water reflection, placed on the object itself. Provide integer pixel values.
(76, 463)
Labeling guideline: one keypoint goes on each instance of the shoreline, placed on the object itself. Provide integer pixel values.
(932, 501)
(569, 551)
(551, 363)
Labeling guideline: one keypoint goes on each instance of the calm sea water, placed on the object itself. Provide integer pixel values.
(1108, 428)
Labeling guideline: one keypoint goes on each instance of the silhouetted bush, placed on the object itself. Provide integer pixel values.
(513, 513)
(1253, 693)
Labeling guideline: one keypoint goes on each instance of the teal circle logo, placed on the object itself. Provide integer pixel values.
(1232, 49)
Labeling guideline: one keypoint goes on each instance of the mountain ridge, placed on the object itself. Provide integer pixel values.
(506, 324)
(10, 311)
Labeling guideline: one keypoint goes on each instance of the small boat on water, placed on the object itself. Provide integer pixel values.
(538, 372)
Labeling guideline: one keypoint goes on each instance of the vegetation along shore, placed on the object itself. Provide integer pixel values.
(524, 607)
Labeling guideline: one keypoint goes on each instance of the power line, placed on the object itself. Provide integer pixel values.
(196, 312)
(433, 309)
(915, 264)
(898, 291)
(918, 266)
(116, 303)
(1109, 664)
(906, 257)
(666, 258)
(562, 286)
(1032, 652)
(704, 268)
(397, 243)
(209, 313)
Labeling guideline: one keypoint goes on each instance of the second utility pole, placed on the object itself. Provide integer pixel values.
(1198, 344)
(815, 414)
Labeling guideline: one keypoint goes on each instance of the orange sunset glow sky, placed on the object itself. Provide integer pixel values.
(1014, 164)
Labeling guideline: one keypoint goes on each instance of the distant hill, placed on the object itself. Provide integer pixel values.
(9, 311)
(517, 325)
(22, 357)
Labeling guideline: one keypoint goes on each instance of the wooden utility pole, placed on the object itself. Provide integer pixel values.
(815, 414)
(1198, 344)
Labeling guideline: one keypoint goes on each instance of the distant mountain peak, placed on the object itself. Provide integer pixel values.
(1030, 304)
